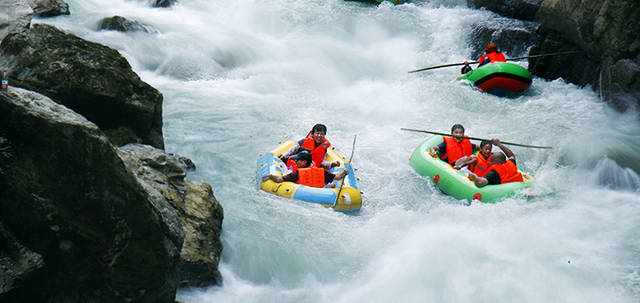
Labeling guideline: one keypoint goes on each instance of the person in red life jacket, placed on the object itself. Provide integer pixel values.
(478, 164)
(455, 147)
(305, 173)
(503, 168)
(315, 143)
(491, 54)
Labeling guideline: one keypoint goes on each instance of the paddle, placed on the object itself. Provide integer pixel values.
(512, 59)
(473, 138)
(353, 148)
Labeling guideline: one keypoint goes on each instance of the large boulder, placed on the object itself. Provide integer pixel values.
(606, 31)
(66, 195)
(92, 79)
(15, 16)
(163, 3)
(122, 24)
(201, 215)
(50, 8)
(17, 262)
(513, 37)
(519, 9)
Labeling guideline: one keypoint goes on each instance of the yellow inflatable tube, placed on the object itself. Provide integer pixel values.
(350, 197)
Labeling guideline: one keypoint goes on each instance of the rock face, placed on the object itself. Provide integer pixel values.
(607, 33)
(122, 24)
(163, 3)
(17, 263)
(513, 37)
(92, 79)
(50, 8)
(66, 195)
(201, 215)
(520, 9)
(15, 16)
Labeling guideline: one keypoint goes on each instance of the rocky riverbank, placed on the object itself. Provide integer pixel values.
(82, 217)
(605, 33)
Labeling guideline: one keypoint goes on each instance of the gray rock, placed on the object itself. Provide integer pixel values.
(50, 8)
(512, 36)
(607, 34)
(15, 16)
(66, 194)
(620, 83)
(122, 24)
(200, 214)
(17, 263)
(92, 79)
(519, 9)
(163, 3)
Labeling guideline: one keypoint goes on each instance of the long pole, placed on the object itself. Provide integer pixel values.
(353, 148)
(474, 138)
(512, 59)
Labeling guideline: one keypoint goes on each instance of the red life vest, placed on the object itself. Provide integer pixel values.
(481, 166)
(317, 152)
(311, 176)
(456, 150)
(492, 57)
(508, 172)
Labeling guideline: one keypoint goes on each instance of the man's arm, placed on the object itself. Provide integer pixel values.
(492, 178)
(507, 152)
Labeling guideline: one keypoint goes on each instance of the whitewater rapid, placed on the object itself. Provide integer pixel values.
(239, 76)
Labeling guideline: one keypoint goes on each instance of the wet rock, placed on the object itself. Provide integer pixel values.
(121, 24)
(50, 8)
(607, 34)
(163, 3)
(519, 9)
(17, 263)
(66, 194)
(200, 214)
(15, 16)
(92, 79)
(513, 37)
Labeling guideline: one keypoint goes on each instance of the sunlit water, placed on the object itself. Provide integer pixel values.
(239, 76)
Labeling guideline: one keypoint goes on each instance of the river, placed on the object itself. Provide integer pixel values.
(239, 76)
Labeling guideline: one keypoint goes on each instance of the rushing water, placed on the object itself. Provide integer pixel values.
(238, 76)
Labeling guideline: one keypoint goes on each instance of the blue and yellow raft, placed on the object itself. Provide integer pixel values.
(350, 197)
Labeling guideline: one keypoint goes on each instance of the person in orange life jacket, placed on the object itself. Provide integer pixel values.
(491, 54)
(316, 143)
(297, 163)
(454, 148)
(478, 164)
(503, 168)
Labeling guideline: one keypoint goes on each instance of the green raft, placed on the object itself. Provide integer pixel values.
(455, 183)
(500, 78)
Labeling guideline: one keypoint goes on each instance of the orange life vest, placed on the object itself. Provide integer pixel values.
(492, 57)
(508, 172)
(481, 166)
(317, 152)
(311, 176)
(292, 165)
(456, 150)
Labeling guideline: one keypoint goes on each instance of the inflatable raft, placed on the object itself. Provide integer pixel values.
(500, 78)
(350, 196)
(455, 183)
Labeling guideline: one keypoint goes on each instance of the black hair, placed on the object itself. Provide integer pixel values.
(499, 157)
(484, 142)
(320, 128)
(457, 126)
